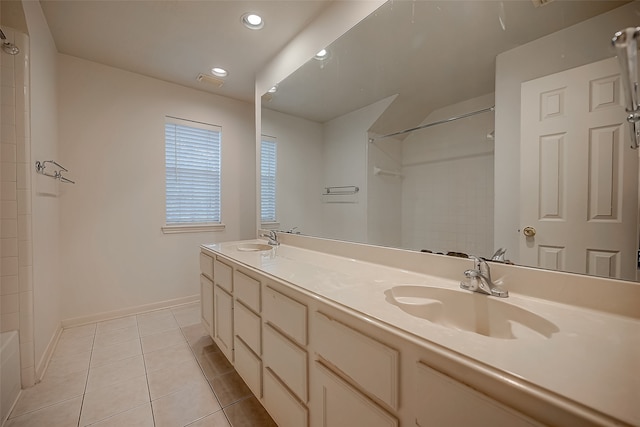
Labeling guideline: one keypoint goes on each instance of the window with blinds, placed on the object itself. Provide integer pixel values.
(192, 154)
(268, 170)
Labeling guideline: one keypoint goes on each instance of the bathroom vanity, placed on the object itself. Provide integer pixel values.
(329, 333)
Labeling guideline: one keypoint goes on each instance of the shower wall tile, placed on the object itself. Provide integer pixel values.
(9, 247)
(9, 322)
(8, 133)
(23, 152)
(8, 209)
(26, 327)
(8, 228)
(8, 114)
(8, 191)
(7, 77)
(26, 353)
(9, 266)
(23, 176)
(8, 172)
(25, 253)
(8, 96)
(25, 279)
(9, 285)
(28, 376)
(9, 304)
(24, 227)
(8, 152)
(24, 202)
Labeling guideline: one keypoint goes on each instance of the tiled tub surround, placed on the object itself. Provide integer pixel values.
(16, 287)
(154, 369)
(585, 373)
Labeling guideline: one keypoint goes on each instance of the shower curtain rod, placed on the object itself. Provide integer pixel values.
(439, 122)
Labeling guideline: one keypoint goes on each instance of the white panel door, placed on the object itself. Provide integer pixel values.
(579, 176)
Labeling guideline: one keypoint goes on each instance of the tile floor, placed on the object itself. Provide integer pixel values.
(153, 369)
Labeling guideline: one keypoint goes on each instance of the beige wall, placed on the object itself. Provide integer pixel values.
(111, 128)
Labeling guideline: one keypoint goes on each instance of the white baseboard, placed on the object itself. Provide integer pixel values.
(100, 317)
(41, 368)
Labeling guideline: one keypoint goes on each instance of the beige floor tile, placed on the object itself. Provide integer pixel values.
(50, 391)
(167, 357)
(105, 339)
(162, 324)
(217, 419)
(161, 340)
(115, 372)
(184, 406)
(108, 401)
(229, 388)
(169, 380)
(113, 324)
(249, 413)
(187, 316)
(79, 331)
(203, 345)
(194, 332)
(63, 414)
(214, 364)
(140, 416)
(69, 346)
(115, 352)
(66, 365)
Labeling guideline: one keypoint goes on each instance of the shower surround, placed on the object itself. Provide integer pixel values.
(16, 285)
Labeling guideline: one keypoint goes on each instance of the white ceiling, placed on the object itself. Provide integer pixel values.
(177, 40)
(431, 53)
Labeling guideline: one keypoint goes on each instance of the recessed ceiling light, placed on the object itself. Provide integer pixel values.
(323, 54)
(220, 72)
(252, 21)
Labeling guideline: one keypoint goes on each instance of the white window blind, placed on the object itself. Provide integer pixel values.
(268, 170)
(192, 153)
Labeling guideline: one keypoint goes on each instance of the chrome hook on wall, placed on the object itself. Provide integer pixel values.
(626, 44)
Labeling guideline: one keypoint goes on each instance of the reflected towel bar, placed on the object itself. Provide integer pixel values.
(348, 189)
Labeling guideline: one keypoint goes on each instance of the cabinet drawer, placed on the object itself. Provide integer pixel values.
(249, 367)
(371, 364)
(343, 406)
(440, 399)
(286, 360)
(206, 265)
(286, 314)
(285, 409)
(247, 290)
(223, 275)
(247, 326)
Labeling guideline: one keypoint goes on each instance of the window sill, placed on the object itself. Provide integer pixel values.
(192, 228)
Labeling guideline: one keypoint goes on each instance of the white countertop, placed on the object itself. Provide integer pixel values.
(593, 359)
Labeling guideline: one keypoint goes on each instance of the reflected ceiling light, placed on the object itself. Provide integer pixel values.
(273, 89)
(219, 72)
(323, 54)
(252, 21)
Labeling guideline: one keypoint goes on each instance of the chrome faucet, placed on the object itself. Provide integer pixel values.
(479, 279)
(272, 236)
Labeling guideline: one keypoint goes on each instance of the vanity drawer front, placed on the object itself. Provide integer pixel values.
(206, 303)
(247, 290)
(341, 405)
(223, 275)
(247, 326)
(286, 314)
(444, 401)
(286, 360)
(285, 409)
(249, 367)
(372, 365)
(206, 265)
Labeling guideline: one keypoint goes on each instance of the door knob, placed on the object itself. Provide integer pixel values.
(529, 231)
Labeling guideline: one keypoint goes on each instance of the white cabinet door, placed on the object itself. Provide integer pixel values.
(223, 321)
(442, 401)
(341, 405)
(206, 303)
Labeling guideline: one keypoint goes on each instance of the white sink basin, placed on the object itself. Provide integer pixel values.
(470, 311)
(253, 247)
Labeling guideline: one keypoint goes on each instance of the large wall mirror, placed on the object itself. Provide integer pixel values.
(523, 142)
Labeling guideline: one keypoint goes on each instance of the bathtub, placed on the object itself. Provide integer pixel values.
(9, 372)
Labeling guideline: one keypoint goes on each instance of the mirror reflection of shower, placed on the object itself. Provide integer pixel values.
(7, 46)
